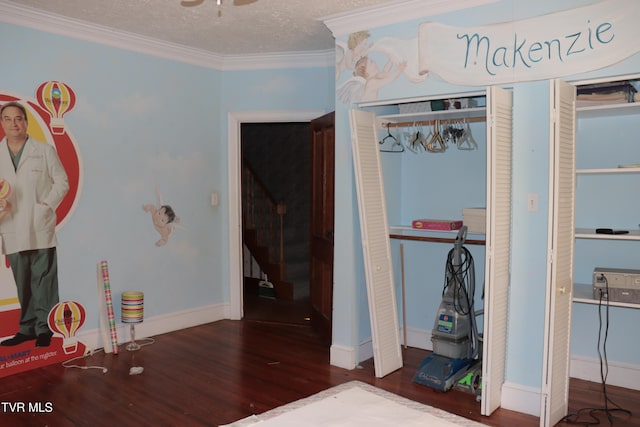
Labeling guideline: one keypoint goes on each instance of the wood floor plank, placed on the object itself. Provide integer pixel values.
(224, 371)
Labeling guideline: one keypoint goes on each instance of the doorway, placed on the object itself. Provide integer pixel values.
(276, 159)
(235, 120)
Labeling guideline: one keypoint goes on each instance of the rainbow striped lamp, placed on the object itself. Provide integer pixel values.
(132, 304)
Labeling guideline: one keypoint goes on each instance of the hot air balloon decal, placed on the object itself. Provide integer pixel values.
(65, 318)
(57, 98)
(5, 189)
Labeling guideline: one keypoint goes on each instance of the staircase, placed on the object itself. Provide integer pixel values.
(263, 231)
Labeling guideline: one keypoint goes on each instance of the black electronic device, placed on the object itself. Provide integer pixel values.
(616, 285)
(610, 231)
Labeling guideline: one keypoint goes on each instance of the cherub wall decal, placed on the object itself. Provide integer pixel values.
(347, 54)
(164, 219)
(401, 58)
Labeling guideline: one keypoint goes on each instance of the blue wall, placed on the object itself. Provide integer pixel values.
(141, 123)
(529, 236)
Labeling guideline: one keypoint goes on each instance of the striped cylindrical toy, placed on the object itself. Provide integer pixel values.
(104, 268)
(132, 304)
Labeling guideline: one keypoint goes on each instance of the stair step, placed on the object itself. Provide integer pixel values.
(298, 270)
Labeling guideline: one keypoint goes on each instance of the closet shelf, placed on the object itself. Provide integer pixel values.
(401, 232)
(606, 110)
(428, 118)
(608, 170)
(583, 293)
(590, 233)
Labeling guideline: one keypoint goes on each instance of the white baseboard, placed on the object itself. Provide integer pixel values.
(418, 338)
(92, 339)
(620, 374)
(515, 397)
(365, 350)
(519, 398)
(527, 399)
(342, 357)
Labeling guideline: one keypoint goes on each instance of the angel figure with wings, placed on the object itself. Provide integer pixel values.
(368, 79)
(164, 219)
(348, 54)
(402, 59)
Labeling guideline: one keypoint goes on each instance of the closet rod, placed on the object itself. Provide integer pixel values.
(385, 125)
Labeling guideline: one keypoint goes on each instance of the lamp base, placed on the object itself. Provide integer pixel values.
(133, 345)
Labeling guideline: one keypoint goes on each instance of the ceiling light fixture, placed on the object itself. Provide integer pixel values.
(191, 3)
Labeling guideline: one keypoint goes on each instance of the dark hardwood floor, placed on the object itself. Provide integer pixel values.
(264, 309)
(224, 371)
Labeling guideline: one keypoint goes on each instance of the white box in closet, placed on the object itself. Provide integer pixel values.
(475, 219)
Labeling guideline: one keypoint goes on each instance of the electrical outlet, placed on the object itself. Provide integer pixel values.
(532, 202)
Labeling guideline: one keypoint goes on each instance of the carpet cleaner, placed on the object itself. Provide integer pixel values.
(455, 360)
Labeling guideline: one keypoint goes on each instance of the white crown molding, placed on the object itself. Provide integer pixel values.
(341, 24)
(56, 24)
(324, 58)
(48, 22)
(393, 13)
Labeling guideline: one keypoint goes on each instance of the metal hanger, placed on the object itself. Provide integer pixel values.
(466, 141)
(396, 146)
(415, 140)
(436, 144)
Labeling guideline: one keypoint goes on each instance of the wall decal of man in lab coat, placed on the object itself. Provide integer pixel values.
(40, 164)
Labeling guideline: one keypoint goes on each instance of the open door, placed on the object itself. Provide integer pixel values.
(385, 334)
(555, 371)
(322, 222)
(498, 241)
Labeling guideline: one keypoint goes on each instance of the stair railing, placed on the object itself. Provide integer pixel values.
(264, 215)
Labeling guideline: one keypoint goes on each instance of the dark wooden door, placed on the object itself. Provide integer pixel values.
(322, 203)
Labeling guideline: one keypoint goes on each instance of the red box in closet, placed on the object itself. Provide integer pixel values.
(436, 224)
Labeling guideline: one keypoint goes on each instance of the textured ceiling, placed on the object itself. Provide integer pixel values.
(265, 26)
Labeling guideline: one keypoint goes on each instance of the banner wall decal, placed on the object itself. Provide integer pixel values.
(544, 47)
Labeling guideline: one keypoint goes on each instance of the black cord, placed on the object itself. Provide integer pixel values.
(604, 372)
(456, 278)
(461, 280)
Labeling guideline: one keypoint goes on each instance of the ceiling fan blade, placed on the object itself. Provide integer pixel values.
(243, 2)
(187, 3)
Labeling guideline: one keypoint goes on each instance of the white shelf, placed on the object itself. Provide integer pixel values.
(387, 102)
(608, 171)
(462, 113)
(607, 110)
(407, 229)
(444, 236)
(584, 294)
(590, 233)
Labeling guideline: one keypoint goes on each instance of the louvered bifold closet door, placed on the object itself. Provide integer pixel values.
(383, 312)
(497, 259)
(555, 381)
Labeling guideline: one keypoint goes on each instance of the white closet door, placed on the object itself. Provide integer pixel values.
(385, 335)
(499, 137)
(555, 381)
